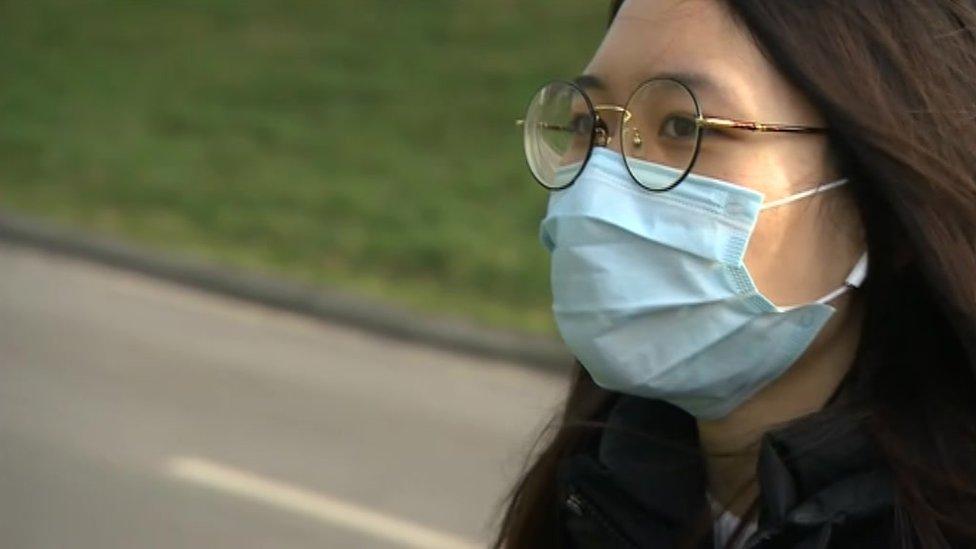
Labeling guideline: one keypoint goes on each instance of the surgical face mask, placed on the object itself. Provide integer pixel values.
(651, 294)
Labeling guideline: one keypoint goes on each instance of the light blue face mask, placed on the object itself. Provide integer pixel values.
(651, 294)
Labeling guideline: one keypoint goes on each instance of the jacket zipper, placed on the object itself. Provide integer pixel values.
(581, 506)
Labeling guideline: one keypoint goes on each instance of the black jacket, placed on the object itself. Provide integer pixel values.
(644, 490)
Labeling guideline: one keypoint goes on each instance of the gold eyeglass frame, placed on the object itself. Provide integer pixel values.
(601, 135)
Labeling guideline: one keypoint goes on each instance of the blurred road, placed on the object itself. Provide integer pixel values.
(135, 413)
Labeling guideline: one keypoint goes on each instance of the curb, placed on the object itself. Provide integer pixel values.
(451, 334)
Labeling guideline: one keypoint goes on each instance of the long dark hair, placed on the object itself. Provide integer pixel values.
(896, 83)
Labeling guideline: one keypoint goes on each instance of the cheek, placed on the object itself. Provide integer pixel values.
(761, 170)
(779, 165)
(778, 257)
(801, 252)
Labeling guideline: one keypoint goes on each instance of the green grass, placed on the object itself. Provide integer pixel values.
(367, 145)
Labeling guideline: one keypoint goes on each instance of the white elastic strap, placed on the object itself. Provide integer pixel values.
(854, 280)
(804, 194)
(834, 294)
(859, 272)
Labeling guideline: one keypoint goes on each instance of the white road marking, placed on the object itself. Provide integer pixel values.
(248, 485)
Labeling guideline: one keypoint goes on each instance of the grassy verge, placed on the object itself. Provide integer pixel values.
(366, 145)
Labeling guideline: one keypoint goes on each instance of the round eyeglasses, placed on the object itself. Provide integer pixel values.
(661, 124)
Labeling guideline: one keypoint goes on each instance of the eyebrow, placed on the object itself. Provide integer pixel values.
(589, 81)
(700, 83)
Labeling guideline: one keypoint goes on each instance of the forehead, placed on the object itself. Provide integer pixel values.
(651, 37)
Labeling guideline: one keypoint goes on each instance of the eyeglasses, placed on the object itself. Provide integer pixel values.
(660, 124)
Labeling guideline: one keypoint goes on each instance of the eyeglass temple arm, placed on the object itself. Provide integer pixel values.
(597, 108)
(717, 122)
(545, 125)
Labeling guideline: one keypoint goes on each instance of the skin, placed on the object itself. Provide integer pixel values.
(798, 253)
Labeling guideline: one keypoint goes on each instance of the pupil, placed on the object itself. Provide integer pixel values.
(683, 127)
(579, 123)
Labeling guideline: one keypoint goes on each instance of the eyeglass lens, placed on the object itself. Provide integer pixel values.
(658, 134)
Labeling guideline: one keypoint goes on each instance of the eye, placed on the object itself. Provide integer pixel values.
(677, 126)
(580, 123)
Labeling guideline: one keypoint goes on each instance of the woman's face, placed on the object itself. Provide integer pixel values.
(798, 252)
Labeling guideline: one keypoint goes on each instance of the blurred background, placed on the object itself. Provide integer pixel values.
(364, 147)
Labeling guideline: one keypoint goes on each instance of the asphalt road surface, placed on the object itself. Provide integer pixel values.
(137, 413)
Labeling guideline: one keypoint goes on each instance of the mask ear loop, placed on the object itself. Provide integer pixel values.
(858, 273)
(801, 195)
(854, 280)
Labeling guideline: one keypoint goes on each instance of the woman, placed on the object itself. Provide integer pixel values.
(761, 221)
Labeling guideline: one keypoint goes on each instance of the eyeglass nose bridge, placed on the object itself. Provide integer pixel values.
(602, 135)
(614, 108)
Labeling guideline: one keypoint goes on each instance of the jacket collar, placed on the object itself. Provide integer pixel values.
(652, 448)
(808, 474)
(815, 472)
